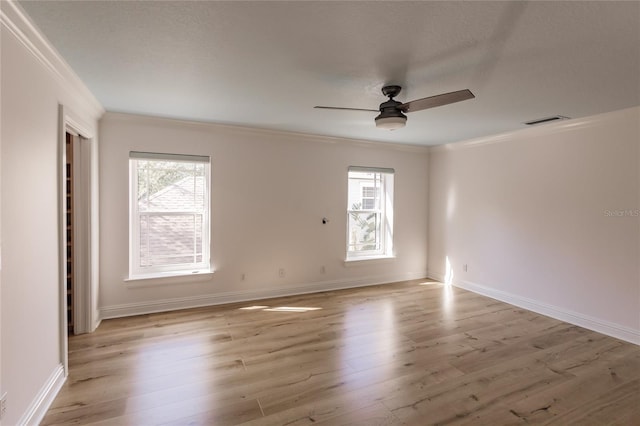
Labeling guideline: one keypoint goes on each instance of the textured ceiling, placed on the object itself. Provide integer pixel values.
(266, 64)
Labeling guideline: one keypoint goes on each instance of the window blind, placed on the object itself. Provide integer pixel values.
(371, 169)
(169, 157)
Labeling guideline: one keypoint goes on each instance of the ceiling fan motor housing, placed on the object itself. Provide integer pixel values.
(391, 117)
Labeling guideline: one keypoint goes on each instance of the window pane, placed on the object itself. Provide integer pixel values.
(368, 192)
(369, 213)
(364, 190)
(364, 231)
(169, 221)
(368, 203)
(170, 239)
(170, 186)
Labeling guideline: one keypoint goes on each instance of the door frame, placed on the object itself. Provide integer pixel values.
(85, 229)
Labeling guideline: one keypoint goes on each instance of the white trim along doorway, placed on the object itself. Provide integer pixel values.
(83, 274)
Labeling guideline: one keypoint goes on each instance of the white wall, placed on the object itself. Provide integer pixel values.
(34, 83)
(270, 192)
(530, 214)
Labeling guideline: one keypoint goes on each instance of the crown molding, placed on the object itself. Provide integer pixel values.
(281, 134)
(538, 131)
(18, 23)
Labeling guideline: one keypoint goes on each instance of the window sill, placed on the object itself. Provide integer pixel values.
(355, 261)
(180, 277)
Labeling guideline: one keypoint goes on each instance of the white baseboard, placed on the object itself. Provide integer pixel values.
(596, 324)
(96, 324)
(41, 403)
(435, 276)
(148, 307)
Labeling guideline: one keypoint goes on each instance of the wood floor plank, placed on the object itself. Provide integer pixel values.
(373, 415)
(412, 353)
(464, 396)
(620, 406)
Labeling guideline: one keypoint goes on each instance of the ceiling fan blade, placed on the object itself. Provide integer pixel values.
(437, 100)
(348, 109)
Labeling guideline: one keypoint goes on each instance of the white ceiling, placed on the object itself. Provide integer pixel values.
(266, 64)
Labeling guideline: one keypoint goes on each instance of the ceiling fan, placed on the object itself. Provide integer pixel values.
(392, 116)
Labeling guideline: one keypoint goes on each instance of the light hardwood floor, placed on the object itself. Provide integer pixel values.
(415, 353)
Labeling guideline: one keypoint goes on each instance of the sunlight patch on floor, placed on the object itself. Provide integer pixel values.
(430, 283)
(280, 308)
(292, 309)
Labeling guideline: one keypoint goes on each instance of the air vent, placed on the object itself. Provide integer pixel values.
(545, 120)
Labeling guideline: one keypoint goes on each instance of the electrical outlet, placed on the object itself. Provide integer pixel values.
(281, 272)
(3, 405)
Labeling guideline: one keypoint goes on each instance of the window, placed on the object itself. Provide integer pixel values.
(369, 213)
(169, 207)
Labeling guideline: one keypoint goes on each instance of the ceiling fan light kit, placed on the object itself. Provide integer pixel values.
(391, 122)
(392, 116)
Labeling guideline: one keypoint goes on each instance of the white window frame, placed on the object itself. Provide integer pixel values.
(135, 270)
(385, 210)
